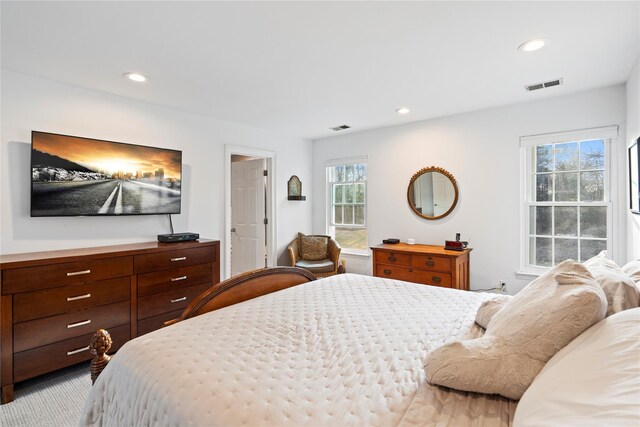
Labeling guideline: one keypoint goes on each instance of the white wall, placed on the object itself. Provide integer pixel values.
(481, 150)
(633, 133)
(30, 103)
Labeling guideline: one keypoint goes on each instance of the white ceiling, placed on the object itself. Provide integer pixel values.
(302, 67)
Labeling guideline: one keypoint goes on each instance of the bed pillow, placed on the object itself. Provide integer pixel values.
(622, 293)
(313, 248)
(529, 329)
(632, 269)
(593, 381)
(489, 308)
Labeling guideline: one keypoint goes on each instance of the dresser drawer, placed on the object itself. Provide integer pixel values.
(48, 330)
(171, 259)
(37, 361)
(432, 278)
(156, 322)
(176, 299)
(392, 258)
(175, 278)
(394, 272)
(37, 304)
(431, 262)
(69, 273)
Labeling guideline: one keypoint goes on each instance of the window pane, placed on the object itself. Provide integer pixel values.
(349, 173)
(337, 214)
(565, 249)
(593, 221)
(348, 215)
(592, 186)
(544, 187)
(566, 156)
(566, 221)
(338, 193)
(351, 238)
(567, 187)
(359, 196)
(361, 172)
(348, 193)
(592, 154)
(591, 248)
(540, 251)
(359, 215)
(544, 158)
(339, 174)
(540, 220)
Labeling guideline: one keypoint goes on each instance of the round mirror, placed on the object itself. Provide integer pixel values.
(432, 193)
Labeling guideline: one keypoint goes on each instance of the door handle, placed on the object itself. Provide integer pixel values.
(233, 230)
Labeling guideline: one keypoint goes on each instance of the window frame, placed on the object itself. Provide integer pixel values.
(609, 134)
(329, 225)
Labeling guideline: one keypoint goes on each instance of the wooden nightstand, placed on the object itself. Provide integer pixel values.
(426, 264)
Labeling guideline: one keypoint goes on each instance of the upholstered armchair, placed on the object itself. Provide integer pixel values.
(318, 254)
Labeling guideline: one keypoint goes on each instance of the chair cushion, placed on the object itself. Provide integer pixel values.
(322, 266)
(313, 248)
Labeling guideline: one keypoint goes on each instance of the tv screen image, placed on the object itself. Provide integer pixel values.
(74, 176)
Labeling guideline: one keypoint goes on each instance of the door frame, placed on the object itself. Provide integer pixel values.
(270, 158)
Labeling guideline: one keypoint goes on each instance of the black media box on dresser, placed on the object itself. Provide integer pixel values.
(51, 303)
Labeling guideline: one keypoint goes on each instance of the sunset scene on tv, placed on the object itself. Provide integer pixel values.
(80, 176)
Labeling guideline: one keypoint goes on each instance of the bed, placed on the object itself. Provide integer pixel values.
(343, 350)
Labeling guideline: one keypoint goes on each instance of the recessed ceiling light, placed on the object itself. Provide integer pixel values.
(403, 110)
(532, 45)
(136, 77)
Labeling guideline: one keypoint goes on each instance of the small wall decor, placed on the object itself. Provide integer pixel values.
(295, 189)
(634, 177)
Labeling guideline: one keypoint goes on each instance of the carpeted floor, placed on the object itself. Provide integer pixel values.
(54, 399)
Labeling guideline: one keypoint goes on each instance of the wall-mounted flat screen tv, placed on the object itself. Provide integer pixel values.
(74, 176)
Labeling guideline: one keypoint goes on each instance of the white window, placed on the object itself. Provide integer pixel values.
(347, 197)
(567, 197)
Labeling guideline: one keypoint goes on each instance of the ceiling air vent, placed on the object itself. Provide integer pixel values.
(543, 85)
(339, 128)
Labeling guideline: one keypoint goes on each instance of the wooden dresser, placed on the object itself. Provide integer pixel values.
(51, 303)
(426, 264)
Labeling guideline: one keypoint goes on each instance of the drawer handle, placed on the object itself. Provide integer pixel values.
(75, 325)
(430, 263)
(80, 350)
(182, 258)
(392, 258)
(387, 271)
(78, 273)
(436, 279)
(178, 299)
(79, 297)
(177, 279)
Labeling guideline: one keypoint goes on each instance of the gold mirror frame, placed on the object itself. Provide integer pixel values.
(420, 173)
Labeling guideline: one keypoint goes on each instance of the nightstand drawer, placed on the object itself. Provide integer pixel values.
(48, 358)
(69, 273)
(431, 262)
(175, 278)
(176, 299)
(392, 258)
(172, 259)
(39, 332)
(50, 302)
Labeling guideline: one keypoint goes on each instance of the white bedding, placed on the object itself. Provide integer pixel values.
(345, 350)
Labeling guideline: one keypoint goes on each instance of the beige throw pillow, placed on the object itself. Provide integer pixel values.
(632, 269)
(622, 293)
(313, 248)
(489, 308)
(529, 329)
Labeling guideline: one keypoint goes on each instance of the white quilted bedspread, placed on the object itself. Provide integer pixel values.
(345, 350)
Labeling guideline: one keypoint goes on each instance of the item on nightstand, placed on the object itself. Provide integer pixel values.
(411, 241)
(178, 237)
(391, 241)
(455, 245)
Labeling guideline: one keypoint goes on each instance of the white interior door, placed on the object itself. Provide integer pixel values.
(248, 244)
(443, 194)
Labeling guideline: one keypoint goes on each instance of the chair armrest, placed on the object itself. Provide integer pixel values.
(334, 252)
(293, 252)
